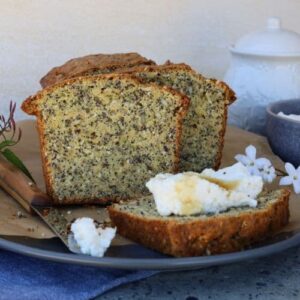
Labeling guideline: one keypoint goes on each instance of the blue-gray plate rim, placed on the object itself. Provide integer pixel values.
(155, 261)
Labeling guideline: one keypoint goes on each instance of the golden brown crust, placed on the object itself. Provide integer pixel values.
(203, 236)
(77, 67)
(30, 106)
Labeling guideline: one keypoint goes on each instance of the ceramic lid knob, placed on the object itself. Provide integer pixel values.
(274, 23)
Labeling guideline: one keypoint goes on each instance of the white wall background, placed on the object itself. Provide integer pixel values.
(36, 35)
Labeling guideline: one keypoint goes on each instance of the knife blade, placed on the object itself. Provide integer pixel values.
(32, 199)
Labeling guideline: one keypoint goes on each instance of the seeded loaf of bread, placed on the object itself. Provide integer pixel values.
(102, 137)
(196, 235)
(205, 124)
(93, 64)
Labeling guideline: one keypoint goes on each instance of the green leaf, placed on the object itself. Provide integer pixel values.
(15, 160)
(6, 143)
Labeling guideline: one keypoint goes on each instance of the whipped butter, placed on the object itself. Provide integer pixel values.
(90, 239)
(208, 192)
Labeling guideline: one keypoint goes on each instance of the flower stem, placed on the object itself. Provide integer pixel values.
(280, 173)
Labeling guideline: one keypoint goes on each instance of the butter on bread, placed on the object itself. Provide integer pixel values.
(192, 193)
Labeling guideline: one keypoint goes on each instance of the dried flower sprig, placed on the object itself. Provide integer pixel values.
(11, 135)
(9, 126)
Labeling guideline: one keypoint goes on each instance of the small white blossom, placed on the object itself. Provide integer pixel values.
(268, 173)
(292, 178)
(257, 166)
(249, 160)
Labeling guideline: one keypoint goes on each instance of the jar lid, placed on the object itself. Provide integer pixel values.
(272, 41)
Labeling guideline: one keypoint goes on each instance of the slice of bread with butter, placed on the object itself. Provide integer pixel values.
(193, 214)
(201, 234)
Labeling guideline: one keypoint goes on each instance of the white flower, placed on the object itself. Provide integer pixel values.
(292, 178)
(266, 170)
(268, 173)
(249, 160)
(257, 166)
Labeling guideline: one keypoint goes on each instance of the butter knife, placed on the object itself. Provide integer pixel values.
(32, 199)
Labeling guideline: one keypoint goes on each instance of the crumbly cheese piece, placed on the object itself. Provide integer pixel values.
(191, 193)
(289, 116)
(91, 240)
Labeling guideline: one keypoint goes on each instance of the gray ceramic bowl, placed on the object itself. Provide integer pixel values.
(284, 134)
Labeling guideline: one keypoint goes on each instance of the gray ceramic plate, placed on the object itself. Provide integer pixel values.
(137, 257)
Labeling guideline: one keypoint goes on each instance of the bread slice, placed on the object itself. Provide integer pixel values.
(205, 124)
(196, 235)
(103, 137)
(93, 64)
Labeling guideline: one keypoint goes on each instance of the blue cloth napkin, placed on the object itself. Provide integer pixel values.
(23, 277)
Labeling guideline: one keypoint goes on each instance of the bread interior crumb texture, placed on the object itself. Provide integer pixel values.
(106, 138)
(204, 124)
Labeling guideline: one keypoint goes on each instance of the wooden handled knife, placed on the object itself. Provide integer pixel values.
(33, 200)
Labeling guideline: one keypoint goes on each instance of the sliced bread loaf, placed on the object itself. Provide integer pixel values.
(195, 235)
(103, 137)
(93, 64)
(205, 124)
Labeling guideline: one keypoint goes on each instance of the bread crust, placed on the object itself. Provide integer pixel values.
(222, 233)
(30, 106)
(77, 67)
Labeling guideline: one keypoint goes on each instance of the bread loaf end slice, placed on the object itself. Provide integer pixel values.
(183, 236)
(103, 137)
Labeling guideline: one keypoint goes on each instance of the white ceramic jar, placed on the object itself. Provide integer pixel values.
(265, 67)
